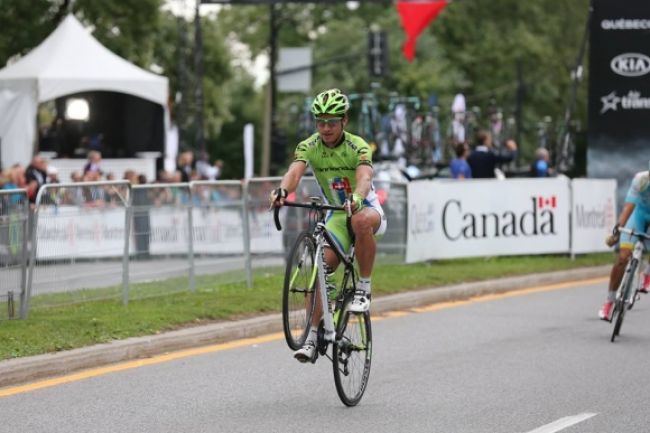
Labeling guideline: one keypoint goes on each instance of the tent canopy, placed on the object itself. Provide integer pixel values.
(70, 60)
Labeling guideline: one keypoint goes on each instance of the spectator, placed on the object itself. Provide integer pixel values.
(15, 180)
(52, 174)
(35, 177)
(204, 170)
(218, 169)
(483, 160)
(540, 167)
(141, 219)
(185, 162)
(96, 142)
(93, 164)
(458, 166)
(4, 177)
(15, 177)
(76, 176)
(131, 176)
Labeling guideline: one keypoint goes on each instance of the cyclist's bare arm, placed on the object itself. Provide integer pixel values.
(289, 182)
(628, 208)
(292, 177)
(613, 238)
(364, 175)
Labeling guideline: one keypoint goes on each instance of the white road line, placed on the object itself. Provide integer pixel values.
(563, 423)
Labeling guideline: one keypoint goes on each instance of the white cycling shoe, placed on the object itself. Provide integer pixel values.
(306, 352)
(360, 303)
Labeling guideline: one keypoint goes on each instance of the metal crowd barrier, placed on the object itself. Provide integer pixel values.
(14, 224)
(161, 241)
(79, 243)
(220, 231)
(391, 247)
(94, 240)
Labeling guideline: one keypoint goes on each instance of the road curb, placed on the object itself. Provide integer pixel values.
(22, 370)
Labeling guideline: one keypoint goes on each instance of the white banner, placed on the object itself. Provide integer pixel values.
(449, 219)
(593, 214)
(71, 231)
(215, 232)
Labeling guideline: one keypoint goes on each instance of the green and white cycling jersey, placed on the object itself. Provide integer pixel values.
(335, 170)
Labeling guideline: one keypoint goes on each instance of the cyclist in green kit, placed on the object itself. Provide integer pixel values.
(342, 165)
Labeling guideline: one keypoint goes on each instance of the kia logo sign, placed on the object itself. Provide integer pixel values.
(631, 64)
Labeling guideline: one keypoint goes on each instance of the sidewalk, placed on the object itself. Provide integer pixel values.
(22, 370)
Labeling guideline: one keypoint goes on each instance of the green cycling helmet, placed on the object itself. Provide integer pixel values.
(332, 102)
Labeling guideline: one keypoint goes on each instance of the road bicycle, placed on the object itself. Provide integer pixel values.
(628, 291)
(350, 334)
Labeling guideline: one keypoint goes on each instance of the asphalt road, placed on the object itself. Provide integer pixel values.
(535, 362)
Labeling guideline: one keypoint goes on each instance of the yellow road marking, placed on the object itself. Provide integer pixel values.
(138, 363)
(100, 371)
(396, 313)
(510, 294)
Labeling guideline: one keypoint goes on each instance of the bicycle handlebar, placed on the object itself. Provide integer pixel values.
(633, 233)
(314, 206)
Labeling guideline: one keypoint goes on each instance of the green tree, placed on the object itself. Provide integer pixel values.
(24, 25)
(474, 47)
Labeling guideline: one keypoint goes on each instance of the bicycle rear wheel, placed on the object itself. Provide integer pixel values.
(352, 355)
(298, 298)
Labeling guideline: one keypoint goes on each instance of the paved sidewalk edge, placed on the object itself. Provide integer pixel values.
(23, 370)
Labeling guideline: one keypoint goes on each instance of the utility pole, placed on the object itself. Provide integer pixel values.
(198, 85)
(270, 118)
(519, 106)
(181, 97)
(564, 157)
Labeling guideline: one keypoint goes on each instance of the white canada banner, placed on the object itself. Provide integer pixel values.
(593, 214)
(449, 219)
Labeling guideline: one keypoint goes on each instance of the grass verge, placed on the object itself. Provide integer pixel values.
(72, 326)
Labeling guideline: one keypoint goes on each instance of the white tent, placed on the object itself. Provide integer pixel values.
(69, 61)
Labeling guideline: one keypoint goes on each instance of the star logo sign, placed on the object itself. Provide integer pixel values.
(610, 102)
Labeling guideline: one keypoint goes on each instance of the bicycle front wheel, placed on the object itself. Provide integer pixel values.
(352, 355)
(624, 300)
(298, 298)
(620, 314)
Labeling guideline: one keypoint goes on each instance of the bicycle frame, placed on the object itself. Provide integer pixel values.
(321, 237)
(637, 255)
(625, 295)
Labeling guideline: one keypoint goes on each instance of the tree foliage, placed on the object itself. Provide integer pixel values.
(486, 50)
(476, 47)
